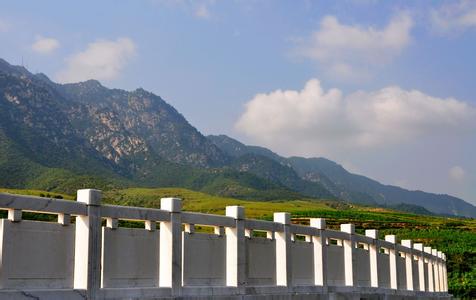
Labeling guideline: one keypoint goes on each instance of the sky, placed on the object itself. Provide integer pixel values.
(385, 88)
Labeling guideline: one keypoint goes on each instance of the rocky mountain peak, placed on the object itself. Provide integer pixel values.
(17, 71)
(119, 124)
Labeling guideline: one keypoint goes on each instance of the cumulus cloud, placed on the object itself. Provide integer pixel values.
(344, 49)
(457, 174)
(44, 45)
(457, 15)
(314, 121)
(102, 60)
(202, 11)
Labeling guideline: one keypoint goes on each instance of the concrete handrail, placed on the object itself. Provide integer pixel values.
(412, 268)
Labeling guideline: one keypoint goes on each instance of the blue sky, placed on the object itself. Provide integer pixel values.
(386, 88)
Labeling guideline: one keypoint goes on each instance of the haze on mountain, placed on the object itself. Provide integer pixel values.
(61, 137)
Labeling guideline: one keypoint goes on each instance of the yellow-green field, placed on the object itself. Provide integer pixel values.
(201, 202)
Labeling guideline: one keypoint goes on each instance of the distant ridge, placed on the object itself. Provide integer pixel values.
(351, 187)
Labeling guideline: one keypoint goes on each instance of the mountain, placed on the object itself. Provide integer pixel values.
(352, 187)
(266, 164)
(61, 137)
(284, 175)
(236, 149)
(382, 194)
(36, 137)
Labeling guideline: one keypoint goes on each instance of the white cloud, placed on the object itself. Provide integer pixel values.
(344, 49)
(457, 15)
(318, 122)
(202, 11)
(101, 60)
(44, 45)
(457, 174)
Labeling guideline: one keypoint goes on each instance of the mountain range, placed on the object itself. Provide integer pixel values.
(62, 137)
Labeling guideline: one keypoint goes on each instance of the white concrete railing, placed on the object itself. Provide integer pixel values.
(85, 260)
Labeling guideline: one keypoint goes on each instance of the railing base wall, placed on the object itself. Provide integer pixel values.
(224, 293)
(43, 294)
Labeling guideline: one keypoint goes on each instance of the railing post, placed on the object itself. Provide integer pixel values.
(283, 250)
(442, 265)
(112, 223)
(392, 255)
(440, 271)
(170, 265)
(409, 263)
(421, 266)
(349, 254)
(320, 252)
(436, 274)
(445, 274)
(87, 253)
(150, 225)
(373, 252)
(431, 282)
(235, 248)
(64, 219)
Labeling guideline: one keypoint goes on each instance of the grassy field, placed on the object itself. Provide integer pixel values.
(454, 236)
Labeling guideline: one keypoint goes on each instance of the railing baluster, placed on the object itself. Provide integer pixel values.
(373, 256)
(235, 248)
(392, 256)
(14, 215)
(431, 281)
(87, 258)
(283, 250)
(320, 252)
(170, 264)
(409, 263)
(349, 254)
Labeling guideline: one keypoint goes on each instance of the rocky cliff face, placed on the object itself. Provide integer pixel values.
(33, 118)
(120, 126)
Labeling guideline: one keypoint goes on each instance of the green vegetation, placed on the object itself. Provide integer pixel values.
(38, 193)
(454, 236)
